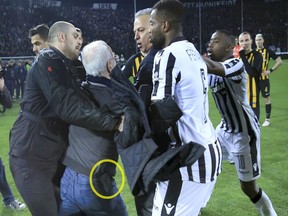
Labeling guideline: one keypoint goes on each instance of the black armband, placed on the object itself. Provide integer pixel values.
(271, 70)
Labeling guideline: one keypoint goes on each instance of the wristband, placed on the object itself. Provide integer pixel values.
(271, 70)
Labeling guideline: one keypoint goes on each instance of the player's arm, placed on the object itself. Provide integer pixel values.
(251, 69)
(226, 69)
(278, 62)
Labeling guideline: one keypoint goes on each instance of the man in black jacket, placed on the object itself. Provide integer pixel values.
(40, 134)
(88, 147)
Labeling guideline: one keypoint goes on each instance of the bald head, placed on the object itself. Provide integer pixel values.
(245, 41)
(64, 37)
(57, 27)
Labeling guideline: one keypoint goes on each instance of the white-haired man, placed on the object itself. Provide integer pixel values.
(141, 36)
(88, 147)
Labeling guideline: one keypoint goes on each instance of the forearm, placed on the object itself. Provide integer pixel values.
(278, 62)
(214, 67)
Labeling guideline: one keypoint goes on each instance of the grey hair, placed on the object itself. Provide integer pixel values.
(146, 11)
(95, 56)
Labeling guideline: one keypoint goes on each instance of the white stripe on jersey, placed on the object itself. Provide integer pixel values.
(207, 167)
(179, 70)
(231, 98)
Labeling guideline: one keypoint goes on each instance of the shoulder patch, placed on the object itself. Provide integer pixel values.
(48, 53)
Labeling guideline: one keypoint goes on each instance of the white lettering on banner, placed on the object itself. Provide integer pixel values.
(210, 4)
(105, 6)
(45, 3)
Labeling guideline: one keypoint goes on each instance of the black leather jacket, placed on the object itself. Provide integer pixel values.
(50, 104)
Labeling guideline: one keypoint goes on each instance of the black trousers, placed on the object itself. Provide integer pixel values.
(33, 179)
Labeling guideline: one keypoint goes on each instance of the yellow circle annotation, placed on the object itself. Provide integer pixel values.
(122, 178)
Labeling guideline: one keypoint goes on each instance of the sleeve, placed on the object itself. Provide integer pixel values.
(144, 75)
(5, 98)
(254, 69)
(164, 75)
(257, 63)
(232, 67)
(272, 54)
(55, 83)
(127, 70)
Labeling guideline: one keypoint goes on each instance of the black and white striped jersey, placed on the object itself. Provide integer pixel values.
(230, 95)
(179, 70)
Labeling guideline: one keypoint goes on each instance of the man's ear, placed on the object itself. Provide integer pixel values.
(166, 26)
(61, 36)
(110, 65)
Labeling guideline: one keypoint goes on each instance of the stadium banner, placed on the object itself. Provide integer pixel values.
(207, 4)
(105, 6)
(45, 3)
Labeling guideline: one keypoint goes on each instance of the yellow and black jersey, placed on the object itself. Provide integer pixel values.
(132, 66)
(253, 67)
(266, 55)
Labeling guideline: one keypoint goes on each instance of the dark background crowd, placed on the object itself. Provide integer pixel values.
(116, 26)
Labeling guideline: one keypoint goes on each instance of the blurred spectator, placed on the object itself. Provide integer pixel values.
(20, 78)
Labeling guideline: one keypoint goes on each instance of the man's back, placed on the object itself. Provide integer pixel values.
(86, 147)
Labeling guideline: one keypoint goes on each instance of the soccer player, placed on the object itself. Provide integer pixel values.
(39, 37)
(264, 83)
(253, 65)
(141, 36)
(239, 130)
(179, 71)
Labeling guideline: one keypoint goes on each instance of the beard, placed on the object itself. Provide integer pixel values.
(158, 41)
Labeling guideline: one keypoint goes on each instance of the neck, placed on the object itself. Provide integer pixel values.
(248, 50)
(172, 37)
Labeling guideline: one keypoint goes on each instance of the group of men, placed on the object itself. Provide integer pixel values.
(63, 122)
(257, 67)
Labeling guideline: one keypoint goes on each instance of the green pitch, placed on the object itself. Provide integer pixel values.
(227, 199)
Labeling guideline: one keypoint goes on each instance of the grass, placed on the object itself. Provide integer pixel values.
(227, 198)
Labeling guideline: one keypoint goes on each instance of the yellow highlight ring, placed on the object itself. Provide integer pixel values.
(122, 178)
